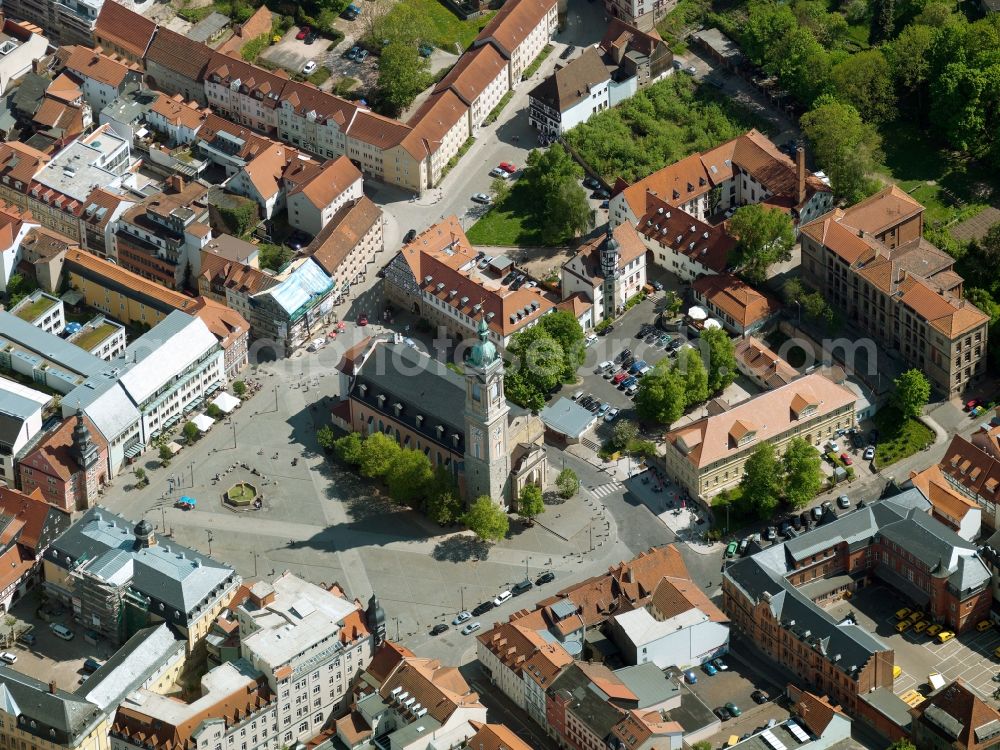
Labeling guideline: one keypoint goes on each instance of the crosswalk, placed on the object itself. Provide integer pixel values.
(603, 490)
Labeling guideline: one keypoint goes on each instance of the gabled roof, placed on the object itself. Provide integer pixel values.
(230, 274)
(570, 85)
(42, 522)
(327, 182)
(179, 113)
(89, 63)
(473, 73)
(665, 224)
(877, 213)
(125, 28)
(494, 737)
(736, 298)
(54, 454)
(179, 54)
(342, 234)
(513, 23)
(435, 118)
(959, 716)
(765, 364)
(621, 36)
(225, 323)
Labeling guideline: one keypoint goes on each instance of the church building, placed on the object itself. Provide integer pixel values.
(491, 446)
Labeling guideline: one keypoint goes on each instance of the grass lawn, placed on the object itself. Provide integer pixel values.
(31, 311)
(241, 493)
(448, 28)
(95, 336)
(947, 187)
(898, 438)
(512, 222)
(736, 519)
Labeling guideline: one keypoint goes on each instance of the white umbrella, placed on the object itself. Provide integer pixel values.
(712, 323)
(697, 313)
(203, 422)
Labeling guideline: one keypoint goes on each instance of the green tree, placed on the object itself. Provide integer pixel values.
(864, 80)
(487, 520)
(884, 20)
(165, 455)
(408, 477)
(500, 188)
(909, 59)
(378, 452)
(661, 396)
(240, 215)
(902, 744)
(530, 502)
(325, 437)
(539, 366)
(240, 388)
(803, 476)
(273, 257)
(765, 235)
(567, 483)
(563, 326)
(913, 391)
(190, 431)
(443, 507)
(761, 482)
(845, 146)
(140, 476)
(552, 178)
(402, 74)
(623, 433)
(348, 448)
(722, 368)
(19, 286)
(692, 369)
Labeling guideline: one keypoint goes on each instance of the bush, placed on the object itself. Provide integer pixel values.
(567, 483)
(214, 411)
(252, 49)
(190, 431)
(165, 455)
(239, 388)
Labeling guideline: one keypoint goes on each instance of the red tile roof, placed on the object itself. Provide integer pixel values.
(514, 23)
(343, 232)
(669, 226)
(473, 73)
(31, 510)
(736, 298)
(327, 182)
(124, 28)
(89, 63)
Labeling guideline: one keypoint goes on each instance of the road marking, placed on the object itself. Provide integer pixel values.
(604, 490)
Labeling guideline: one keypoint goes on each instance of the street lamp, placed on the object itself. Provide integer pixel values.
(232, 424)
(276, 397)
(191, 467)
(209, 532)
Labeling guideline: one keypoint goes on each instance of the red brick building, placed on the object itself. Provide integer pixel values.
(68, 465)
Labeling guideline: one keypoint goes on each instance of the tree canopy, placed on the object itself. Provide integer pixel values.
(567, 483)
(661, 398)
(845, 146)
(487, 520)
(761, 482)
(722, 368)
(766, 236)
(538, 365)
(802, 472)
(552, 178)
(378, 451)
(913, 391)
(530, 502)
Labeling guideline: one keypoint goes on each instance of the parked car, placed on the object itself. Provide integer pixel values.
(564, 55)
(690, 677)
(606, 330)
(462, 617)
(846, 459)
(722, 713)
(690, 70)
(600, 194)
(934, 629)
(482, 198)
(903, 613)
(733, 709)
(591, 183)
(309, 67)
(506, 166)
(497, 172)
(817, 514)
(603, 408)
(439, 629)
(351, 12)
(619, 377)
(472, 627)
(770, 533)
(519, 588)
(797, 522)
(482, 609)
(760, 697)
(623, 355)
(311, 38)
(709, 669)
(844, 502)
(502, 597)
(804, 517)
(362, 54)
(303, 33)
(870, 453)
(658, 286)
(731, 549)
(547, 577)
(8, 657)
(352, 53)
(28, 639)
(946, 635)
(983, 625)
(720, 665)
(611, 415)
(629, 382)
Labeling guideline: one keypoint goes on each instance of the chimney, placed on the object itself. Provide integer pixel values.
(52, 687)
(175, 182)
(800, 163)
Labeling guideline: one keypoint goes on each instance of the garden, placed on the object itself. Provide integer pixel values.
(898, 437)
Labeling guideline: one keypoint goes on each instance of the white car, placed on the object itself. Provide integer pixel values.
(501, 598)
(309, 67)
(472, 627)
(497, 172)
(834, 446)
(8, 657)
(590, 340)
(690, 70)
(604, 366)
(611, 415)
(462, 617)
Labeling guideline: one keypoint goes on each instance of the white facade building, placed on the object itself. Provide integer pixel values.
(20, 420)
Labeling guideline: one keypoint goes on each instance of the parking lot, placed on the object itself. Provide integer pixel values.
(733, 686)
(292, 54)
(969, 655)
(50, 658)
(365, 71)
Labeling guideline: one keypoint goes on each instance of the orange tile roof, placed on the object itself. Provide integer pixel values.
(179, 54)
(709, 439)
(736, 298)
(99, 270)
(13, 565)
(936, 488)
(179, 113)
(54, 453)
(667, 225)
(31, 509)
(434, 120)
(473, 73)
(266, 168)
(388, 656)
(443, 253)
(89, 63)
(951, 316)
(494, 737)
(229, 274)
(674, 596)
(20, 162)
(226, 324)
(328, 182)
(764, 363)
(125, 28)
(630, 247)
(343, 232)
(576, 304)
(877, 213)
(513, 23)
(64, 88)
(849, 245)
(253, 143)
(441, 690)
(815, 711)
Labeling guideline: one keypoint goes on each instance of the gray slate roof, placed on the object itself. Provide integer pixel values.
(59, 717)
(49, 346)
(649, 684)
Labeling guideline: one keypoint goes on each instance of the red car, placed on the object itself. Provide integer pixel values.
(506, 166)
(846, 459)
(303, 32)
(620, 377)
(362, 320)
(971, 404)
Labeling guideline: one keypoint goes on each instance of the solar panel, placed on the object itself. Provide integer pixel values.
(797, 731)
(771, 740)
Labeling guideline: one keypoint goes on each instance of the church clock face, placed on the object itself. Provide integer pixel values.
(477, 441)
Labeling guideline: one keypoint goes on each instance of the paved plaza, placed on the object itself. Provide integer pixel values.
(326, 524)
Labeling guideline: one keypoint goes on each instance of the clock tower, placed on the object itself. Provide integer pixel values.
(487, 457)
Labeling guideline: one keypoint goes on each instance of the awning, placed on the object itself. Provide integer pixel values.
(203, 422)
(133, 450)
(226, 402)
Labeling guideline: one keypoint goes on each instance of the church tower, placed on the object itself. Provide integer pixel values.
(610, 258)
(487, 456)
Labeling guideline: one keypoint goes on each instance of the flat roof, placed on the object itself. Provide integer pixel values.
(48, 346)
(76, 170)
(566, 417)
